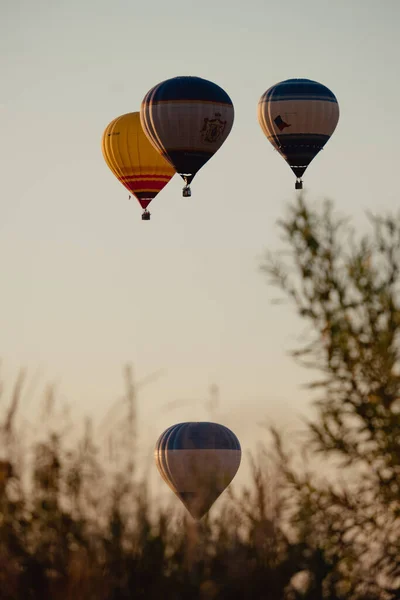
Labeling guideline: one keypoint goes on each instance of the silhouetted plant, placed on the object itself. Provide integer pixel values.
(348, 292)
(74, 526)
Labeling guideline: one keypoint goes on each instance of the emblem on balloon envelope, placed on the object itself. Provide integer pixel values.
(198, 461)
(280, 123)
(212, 129)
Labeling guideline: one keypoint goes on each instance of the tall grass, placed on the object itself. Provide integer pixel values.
(73, 529)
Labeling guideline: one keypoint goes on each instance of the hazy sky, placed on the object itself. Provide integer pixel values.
(86, 285)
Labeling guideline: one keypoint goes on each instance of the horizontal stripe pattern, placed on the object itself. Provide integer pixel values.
(198, 461)
(188, 135)
(298, 116)
(187, 470)
(299, 89)
(198, 435)
(187, 120)
(183, 88)
(133, 160)
(290, 117)
(139, 185)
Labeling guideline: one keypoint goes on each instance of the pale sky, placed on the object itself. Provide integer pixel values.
(86, 285)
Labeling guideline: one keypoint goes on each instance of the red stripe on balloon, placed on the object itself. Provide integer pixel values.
(143, 184)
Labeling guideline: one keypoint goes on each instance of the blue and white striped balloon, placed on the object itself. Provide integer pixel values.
(198, 461)
(187, 119)
(298, 116)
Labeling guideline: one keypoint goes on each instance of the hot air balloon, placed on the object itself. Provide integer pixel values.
(298, 116)
(198, 461)
(134, 161)
(187, 119)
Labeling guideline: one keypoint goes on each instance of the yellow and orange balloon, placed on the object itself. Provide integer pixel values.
(133, 160)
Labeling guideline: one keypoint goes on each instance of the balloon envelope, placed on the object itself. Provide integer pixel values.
(187, 119)
(298, 116)
(198, 461)
(133, 160)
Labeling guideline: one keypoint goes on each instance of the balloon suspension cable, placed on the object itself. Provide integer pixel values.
(298, 184)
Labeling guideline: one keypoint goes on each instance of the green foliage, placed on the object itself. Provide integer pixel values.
(347, 289)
